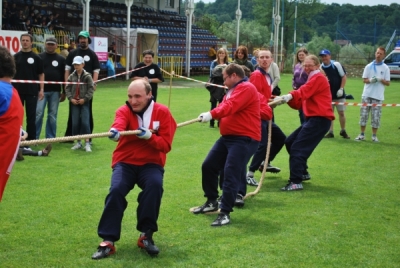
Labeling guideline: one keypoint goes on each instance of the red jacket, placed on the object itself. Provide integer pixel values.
(135, 151)
(314, 97)
(265, 109)
(11, 119)
(239, 112)
(259, 80)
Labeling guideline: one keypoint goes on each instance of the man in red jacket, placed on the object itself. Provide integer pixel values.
(11, 117)
(314, 98)
(239, 117)
(137, 160)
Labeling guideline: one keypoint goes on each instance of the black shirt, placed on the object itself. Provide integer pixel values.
(29, 65)
(54, 68)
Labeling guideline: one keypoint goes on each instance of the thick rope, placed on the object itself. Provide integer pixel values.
(96, 135)
(276, 101)
(265, 163)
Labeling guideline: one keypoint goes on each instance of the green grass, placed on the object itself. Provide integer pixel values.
(347, 215)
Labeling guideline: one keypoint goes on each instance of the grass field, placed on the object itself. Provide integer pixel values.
(347, 215)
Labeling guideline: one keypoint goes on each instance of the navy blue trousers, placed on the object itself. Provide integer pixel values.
(302, 142)
(229, 153)
(277, 141)
(149, 178)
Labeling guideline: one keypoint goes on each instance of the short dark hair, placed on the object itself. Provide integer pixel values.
(26, 34)
(234, 68)
(7, 63)
(148, 52)
(383, 49)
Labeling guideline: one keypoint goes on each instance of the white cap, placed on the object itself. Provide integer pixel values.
(78, 60)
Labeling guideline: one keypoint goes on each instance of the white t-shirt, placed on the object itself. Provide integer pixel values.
(375, 90)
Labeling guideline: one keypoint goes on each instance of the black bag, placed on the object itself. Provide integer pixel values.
(207, 86)
(276, 91)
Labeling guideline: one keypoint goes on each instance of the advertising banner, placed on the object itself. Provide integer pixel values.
(10, 40)
(100, 45)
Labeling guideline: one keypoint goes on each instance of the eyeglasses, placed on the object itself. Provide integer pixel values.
(308, 66)
(226, 77)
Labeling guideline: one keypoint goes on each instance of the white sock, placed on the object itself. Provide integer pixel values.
(250, 173)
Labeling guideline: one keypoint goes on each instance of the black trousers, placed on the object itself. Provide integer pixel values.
(30, 103)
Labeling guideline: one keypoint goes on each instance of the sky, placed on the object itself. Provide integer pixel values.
(353, 2)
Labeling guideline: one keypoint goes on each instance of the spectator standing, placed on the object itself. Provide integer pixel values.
(314, 97)
(144, 168)
(241, 57)
(337, 80)
(254, 58)
(263, 82)
(79, 96)
(11, 117)
(54, 68)
(92, 66)
(239, 115)
(149, 71)
(299, 75)
(376, 76)
(217, 93)
(72, 46)
(29, 67)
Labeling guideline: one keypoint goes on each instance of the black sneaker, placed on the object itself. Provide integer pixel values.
(270, 168)
(344, 134)
(329, 135)
(239, 202)
(292, 187)
(146, 242)
(208, 206)
(306, 177)
(222, 219)
(105, 249)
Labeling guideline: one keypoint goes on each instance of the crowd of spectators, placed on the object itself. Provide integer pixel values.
(14, 18)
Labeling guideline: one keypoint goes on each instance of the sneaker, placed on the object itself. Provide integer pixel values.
(344, 134)
(270, 168)
(76, 146)
(329, 135)
(222, 219)
(239, 202)
(88, 148)
(146, 242)
(306, 177)
(251, 181)
(20, 157)
(46, 151)
(375, 139)
(292, 187)
(208, 206)
(105, 249)
(360, 138)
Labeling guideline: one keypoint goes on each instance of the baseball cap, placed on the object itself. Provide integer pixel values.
(51, 40)
(324, 52)
(85, 34)
(78, 60)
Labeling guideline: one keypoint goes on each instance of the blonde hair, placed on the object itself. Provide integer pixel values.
(226, 55)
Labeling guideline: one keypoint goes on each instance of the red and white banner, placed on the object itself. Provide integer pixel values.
(10, 40)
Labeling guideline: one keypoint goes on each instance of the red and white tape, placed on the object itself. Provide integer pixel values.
(190, 79)
(367, 104)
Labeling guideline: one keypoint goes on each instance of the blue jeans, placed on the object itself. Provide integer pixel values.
(231, 154)
(53, 99)
(80, 119)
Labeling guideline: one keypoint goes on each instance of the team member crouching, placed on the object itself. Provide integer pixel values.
(137, 160)
(314, 98)
(239, 116)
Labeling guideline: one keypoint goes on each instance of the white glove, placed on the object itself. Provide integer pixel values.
(205, 117)
(286, 98)
(373, 80)
(115, 134)
(378, 79)
(145, 134)
(339, 93)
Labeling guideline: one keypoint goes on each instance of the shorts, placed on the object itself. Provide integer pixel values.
(339, 107)
(376, 112)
